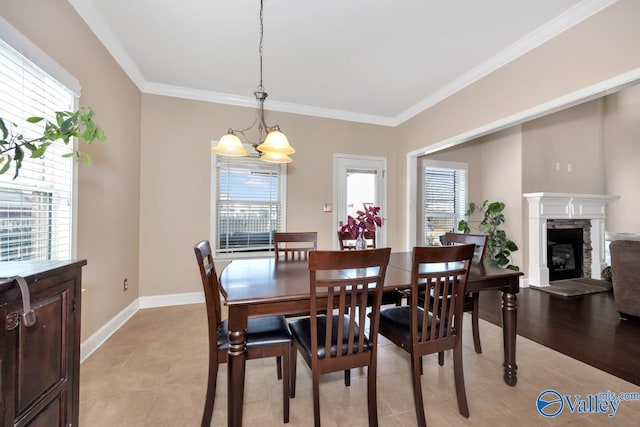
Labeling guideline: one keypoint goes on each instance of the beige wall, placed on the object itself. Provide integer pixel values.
(571, 139)
(622, 159)
(601, 47)
(502, 181)
(176, 174)
(108, 206)
(494, 174)
(145, 200)
(598, 138)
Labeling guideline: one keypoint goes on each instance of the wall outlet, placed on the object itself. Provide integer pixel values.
(125, 285)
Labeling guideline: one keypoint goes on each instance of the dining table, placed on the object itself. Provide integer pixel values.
(265, 286)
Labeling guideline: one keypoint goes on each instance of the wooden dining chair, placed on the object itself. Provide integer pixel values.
(425, 328)
(340, 341)
(472, 299)
(349, 242)
(266, 336)
(294, 246)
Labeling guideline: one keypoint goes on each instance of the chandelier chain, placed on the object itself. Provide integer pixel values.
(260, 86)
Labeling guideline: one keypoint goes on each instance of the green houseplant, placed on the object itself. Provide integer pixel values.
(499, 246)
(15, 146)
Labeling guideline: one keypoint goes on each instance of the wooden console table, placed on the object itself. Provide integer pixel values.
(40, 362)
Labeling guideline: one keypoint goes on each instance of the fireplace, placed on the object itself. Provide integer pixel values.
(547, 208)
(564, 253)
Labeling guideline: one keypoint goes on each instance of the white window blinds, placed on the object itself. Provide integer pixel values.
(444, 198)
(249, 204)
(35, 208)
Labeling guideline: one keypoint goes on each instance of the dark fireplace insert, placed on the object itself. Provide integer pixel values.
(564, 253)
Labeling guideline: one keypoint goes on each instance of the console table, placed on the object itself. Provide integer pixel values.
(40, 352)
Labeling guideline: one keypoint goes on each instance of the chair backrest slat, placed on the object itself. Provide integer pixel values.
(446, 286)
(294, 246)
(346, 279)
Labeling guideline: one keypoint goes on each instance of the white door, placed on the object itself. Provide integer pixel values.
(359, 180)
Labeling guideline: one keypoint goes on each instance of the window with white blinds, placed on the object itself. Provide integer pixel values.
(444, 195)
(36, 207)
(249, 204)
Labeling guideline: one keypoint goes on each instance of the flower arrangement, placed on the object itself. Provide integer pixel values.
(366, 220)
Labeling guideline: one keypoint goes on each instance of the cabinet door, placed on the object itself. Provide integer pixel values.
(41, 369)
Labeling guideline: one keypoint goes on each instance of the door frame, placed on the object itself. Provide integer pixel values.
(381, 236)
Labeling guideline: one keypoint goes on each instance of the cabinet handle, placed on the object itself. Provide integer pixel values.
(28, 314)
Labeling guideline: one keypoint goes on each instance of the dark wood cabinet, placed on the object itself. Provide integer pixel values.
(40, 364)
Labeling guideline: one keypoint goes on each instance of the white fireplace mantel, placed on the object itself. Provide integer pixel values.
(546, 206)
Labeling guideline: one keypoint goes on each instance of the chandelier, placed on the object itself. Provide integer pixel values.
(274, 148)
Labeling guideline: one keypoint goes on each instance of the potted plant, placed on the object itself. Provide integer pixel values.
(366, 220)
(499, 246)
(14, 146)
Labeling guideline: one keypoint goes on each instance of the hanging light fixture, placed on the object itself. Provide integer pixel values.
(275, 147)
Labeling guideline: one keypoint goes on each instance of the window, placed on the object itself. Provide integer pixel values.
(36, 209)
(444, 199)
(248, 206)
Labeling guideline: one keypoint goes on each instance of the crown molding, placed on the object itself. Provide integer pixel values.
(561, 23)
(104, 34)
(558, 25)
(250, 102)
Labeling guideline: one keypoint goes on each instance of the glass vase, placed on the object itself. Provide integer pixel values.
(361, 242)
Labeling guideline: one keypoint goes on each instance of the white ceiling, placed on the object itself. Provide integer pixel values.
(372, 61)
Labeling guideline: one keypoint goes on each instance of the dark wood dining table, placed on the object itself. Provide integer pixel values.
(263, 286)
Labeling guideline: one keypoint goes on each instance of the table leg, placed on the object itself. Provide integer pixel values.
(236, 364)
(509, 318)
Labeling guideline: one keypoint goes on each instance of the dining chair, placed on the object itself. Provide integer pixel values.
(294, 246)
(472, 299)
(266, 336)
(349, 242)
(340, 282)
(425, 328)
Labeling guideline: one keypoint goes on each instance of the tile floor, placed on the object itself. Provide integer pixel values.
(152, 372)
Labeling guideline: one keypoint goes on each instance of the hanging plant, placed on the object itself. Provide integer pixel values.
(499, 246)
(15, 147)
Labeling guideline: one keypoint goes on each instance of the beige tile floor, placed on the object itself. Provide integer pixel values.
(152, 372)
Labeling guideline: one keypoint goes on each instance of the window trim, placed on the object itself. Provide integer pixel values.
(33, 53)
(25, 47)
(214, 208)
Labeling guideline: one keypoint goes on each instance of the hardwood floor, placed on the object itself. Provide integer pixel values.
(586, 328)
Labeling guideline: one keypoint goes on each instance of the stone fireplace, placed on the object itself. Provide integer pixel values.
(561, 256)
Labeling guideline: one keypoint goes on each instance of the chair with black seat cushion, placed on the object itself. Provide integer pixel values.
(291, 246)
(330, 343)
(266, 336)
(347, 241)
(426, 328)
(472, 299)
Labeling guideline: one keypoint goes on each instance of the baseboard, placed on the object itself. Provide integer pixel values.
(172, 299)
(94, 342)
